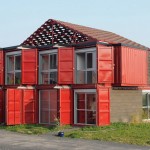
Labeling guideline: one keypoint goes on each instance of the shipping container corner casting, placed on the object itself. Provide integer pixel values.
(76, 75)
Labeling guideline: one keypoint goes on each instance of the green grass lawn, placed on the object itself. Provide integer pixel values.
(138, 134)
(34, 129)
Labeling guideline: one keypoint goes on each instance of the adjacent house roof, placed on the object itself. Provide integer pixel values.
(59, 32)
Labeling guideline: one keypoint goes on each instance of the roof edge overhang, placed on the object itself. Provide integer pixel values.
(131, 46)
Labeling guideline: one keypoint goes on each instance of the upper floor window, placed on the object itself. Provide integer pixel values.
(86, 66)
(48, 67)
(13, 70)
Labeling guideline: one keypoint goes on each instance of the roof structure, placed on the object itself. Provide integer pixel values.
(59, 32)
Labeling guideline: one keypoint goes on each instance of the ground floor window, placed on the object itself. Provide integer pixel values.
(146, 105)
(47, 106)
(85, 107)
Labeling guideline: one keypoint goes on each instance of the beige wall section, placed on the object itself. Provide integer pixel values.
(125, 105)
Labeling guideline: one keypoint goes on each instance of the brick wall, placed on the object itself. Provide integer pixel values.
(125, 105)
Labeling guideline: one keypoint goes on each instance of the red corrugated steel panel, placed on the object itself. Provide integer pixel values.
(1, 107)
(29, 107)
(29, 66)
(66, 65)
(131, 66)
(1, 68)
(65, 106)
(21, 106)
(105, 64)
(14, 109)
(103, 106)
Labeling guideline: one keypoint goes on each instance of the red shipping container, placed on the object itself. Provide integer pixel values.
(1, 107)
(29, 66)
(65, 106)
(66, 65)
(130, 66)
(103, 106)
(21, 107)
(1, 68)
(105, 64)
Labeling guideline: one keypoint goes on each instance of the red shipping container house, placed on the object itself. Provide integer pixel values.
(65, 72)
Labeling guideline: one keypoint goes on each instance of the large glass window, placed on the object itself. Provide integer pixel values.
(85, 108)
(146, 106)
(48, 106)
(13, 71)
(85, 67)
(48, 68)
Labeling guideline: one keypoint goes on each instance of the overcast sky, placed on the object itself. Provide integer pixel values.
(128, 18)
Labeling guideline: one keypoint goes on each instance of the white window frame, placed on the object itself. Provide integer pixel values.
(17, 53)
(48, 52)
(86, 51)
(85, 91)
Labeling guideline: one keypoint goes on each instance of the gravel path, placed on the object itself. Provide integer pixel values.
(15, 141)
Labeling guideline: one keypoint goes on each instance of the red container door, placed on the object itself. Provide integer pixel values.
(66, 65)
(65, 106)
(1, 68)
(103, 106)
(105, 64)
(29, 66)
(29, 107)
(14, 107)
(1, 107)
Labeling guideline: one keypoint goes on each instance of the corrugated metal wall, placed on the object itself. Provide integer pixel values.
(29, 66)
(130, 66)
(105, 64)
(1, 107)
(103, 106)
(1, 68)
(66, 65)
(21, 107)
(65, 106)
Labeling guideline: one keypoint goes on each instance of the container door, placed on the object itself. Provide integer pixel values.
(65, 106)
(29, 107)
(29, 66)
(103, 106)
(66, 65)
(14, 107)
(1, 107)
(105, 64)
(1, 68)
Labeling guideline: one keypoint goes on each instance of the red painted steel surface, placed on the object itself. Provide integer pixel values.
(29, 107)
(65, 106)
(103, 106)
(66, 65)
(1, 107)
(105, 64)
(21, 107)
(29, 66)
(14, 108)
(1, 68)
(131, 66)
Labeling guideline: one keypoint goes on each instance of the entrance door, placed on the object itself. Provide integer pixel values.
(47, 106)
(85, 107)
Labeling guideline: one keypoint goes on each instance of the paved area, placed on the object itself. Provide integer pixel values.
(16, 141)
